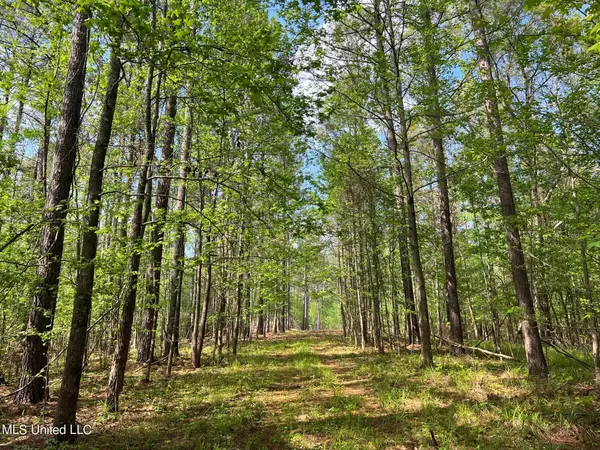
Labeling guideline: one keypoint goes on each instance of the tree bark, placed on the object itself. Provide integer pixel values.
(33, 381)
(68, 397)
(41, 162)
(376, 306)
(260, 323)
(199, 344)
(594, 318)
(392, 145)
(426, 353)
(179, 246)
(238, 312)
(197, 307)
(404, 168)
(536, 361)
(450, 285)
(239, 291)
(145, 353)
(200, 329)
(121, 353)
(305, 301)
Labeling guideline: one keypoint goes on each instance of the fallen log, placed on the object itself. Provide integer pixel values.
(477, 349)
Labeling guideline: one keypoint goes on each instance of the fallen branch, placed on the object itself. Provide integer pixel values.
(152, 363)
(477, 349)
(567, 354)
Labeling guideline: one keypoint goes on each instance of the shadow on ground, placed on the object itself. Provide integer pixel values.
(311, 390)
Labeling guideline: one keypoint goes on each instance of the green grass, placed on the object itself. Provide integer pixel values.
(313, 391)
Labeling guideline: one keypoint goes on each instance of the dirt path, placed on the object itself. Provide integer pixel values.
(343, 362)
(331, 403)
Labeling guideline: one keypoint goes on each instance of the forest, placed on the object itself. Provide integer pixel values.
(299, 224)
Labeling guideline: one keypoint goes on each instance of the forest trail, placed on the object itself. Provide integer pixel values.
(194, 173)
(311, 390)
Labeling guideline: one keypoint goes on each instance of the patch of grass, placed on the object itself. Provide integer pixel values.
(312, 391)
(474, 403)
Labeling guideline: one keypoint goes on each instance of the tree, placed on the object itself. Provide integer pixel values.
(82, 306)
(32, 384)
(536, 361)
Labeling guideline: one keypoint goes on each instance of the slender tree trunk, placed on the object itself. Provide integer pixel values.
(306, 299)
(407, 280)
(288, 295)
(199, 343)
(282, 316)
(342, 293)
(394, 297)
(362, 320)
(197, 307)
(392, 144)
(248, 301)
(4, 116)
(594, 318)
(179, 246)
(377, 331)
(406, 170)
(41, 162)
(82, 306)
(426, 353)
(450, 286)
(121, 353)
(238, 312)
(220, 320)
(15, 135)
(318, 314)
(536, 361)
(260, 323)
(543, 299)
(33, 381)
(160, 211)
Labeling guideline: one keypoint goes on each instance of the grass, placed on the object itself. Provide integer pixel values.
(311, 390)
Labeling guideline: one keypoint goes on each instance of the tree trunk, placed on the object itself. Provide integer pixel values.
(179, 246)
(198, 305)
(68, 397)
(543, 299)
(260, 325)
(450, 286)
(536, 361)
(238, 312)
(426, 354)
(288, 318)
(594, 318)
(4, 116)
(33, 381)
(305, 301)
(161, 205)
(199, 343)
(41, 162)
(394, 298)
(377, 332)
(392, 144)
(121, 353)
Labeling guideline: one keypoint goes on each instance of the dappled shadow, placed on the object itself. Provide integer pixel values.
(313, 391)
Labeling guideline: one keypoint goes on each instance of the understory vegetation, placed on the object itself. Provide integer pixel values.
(305, 391)
(181, 179)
